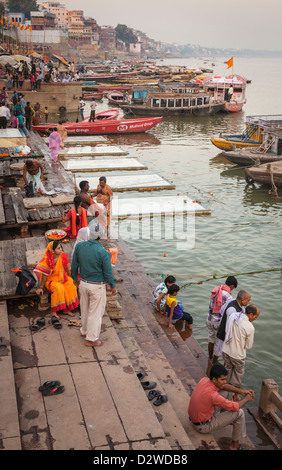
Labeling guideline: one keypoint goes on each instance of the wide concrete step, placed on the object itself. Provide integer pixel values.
(9, 422)
(186, 358)
(104, 404)
(146, 339)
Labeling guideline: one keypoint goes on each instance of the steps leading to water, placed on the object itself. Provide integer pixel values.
(104, 405)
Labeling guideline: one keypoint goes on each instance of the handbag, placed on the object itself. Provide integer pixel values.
(26, 280)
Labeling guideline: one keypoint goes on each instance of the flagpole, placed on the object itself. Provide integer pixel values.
(11, 24)
(8, 43)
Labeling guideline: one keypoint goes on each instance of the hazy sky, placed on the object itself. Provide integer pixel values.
(242, 24)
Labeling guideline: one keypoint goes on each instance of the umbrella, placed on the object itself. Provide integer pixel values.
(7, 60)
(35, 54)
(18, 58)
(60, 59)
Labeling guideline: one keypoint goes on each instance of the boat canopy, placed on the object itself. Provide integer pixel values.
(222, 80)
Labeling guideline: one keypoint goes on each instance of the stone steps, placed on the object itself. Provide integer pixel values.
(184, 362)
(152, 347)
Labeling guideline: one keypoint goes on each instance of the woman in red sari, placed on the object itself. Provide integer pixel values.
(53, 272)
(77, 217)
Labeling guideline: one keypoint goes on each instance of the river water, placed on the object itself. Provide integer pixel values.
(243, 233)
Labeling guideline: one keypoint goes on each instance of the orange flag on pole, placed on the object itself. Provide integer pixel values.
(229, 63)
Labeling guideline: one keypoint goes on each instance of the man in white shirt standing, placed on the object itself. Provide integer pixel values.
(3, 116)
(219, 296)
(234, 351)
(92, 110)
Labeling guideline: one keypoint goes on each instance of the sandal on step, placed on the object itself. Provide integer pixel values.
(39, 323)
(148, 385)
(53, 391)
(141, 375)
(49, 385)
(153, 394)
(55, 322)
(160, 399)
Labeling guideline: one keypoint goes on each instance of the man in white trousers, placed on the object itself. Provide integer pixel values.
(92, 262)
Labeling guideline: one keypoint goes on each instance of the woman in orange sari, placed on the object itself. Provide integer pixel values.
(53, 272)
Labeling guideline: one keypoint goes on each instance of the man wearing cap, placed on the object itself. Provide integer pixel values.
(93, 264)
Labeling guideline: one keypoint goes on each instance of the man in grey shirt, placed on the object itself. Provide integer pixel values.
(93, 264)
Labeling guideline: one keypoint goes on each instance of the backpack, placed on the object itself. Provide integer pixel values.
(26, 280)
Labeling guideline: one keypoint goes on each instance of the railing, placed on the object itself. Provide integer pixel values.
(270, 400)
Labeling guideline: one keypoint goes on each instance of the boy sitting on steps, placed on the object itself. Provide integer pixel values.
(173, 308)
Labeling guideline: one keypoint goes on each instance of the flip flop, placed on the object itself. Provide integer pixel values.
(161, 399)
(141, 375)
(153, 394)
(49, 385)
(55, 322)
(40, 322)
(148, 385)
(53, 391)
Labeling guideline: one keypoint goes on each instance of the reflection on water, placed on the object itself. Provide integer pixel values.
(242, 236)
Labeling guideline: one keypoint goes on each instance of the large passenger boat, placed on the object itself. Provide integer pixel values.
(173, 99)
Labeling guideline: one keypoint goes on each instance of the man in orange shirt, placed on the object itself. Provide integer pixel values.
(206, 397)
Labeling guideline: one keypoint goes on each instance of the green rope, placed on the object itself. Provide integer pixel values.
(215, 275)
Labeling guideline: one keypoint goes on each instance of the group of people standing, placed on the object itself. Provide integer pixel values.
(81, 282)
(215, 401)
(91, 264)
(17, 112)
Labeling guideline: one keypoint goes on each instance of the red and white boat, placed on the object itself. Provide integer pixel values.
(103, 115)
(103, 127)
(218, 86)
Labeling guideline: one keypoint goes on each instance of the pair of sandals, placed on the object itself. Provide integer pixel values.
(50, 388)
(160, 399)
(41, 322)
(55, 322)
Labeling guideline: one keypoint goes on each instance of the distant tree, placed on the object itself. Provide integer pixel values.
(22, 6)
(2, 8)
(125, 34)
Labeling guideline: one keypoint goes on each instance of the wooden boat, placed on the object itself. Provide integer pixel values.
(232, 142)
(270, 149)
(174, 100)
(121, 126)
(108, 114)
(269, 174)
(89, 95)
(247, 157)
(116, 97)
(256, 127)
(218, 86)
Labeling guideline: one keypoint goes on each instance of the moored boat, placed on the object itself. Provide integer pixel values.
(270, 149)
(231, 89)
(257, 127)
(89, 95)
(108, 114)
(269, 174)
(174, 99)
(121, 126)
(116, 97)
(246, 157)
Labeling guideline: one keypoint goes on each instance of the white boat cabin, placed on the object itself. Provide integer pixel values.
(220, 87)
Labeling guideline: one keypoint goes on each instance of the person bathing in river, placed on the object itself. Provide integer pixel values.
(173, 309)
